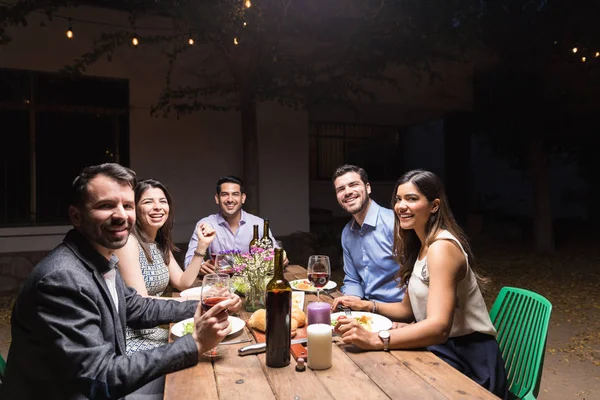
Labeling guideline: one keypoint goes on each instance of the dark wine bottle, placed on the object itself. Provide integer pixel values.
(279, 310)
(254, 241)
(266, 237)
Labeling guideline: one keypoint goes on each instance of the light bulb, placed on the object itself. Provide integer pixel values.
(245, 24)
(235, 41)
(598, 54)
(583, 59)
(248, 3)
(191, 41)
(69, 31)
(134, 40)
(574, 50)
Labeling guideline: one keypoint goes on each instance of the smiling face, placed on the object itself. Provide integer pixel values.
(152, 209)
(107, 214)
(230, 199)
(413, 208)
(352, 193)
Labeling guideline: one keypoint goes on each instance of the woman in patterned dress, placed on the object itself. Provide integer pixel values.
(146, 263)
(444, 309)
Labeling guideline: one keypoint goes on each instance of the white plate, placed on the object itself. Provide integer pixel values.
(293, 284)
(235, 323)
(195, 291)
(378, 322)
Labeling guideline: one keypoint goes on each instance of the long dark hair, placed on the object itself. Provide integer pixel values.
(406, 242)
(164, 240)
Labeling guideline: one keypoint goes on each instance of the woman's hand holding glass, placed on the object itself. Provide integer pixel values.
(352, 332)
(216, 289)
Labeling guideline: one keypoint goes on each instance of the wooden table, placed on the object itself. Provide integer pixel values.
(355, 374)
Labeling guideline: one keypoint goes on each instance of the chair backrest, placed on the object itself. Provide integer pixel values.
(2, 367)
(521, 318)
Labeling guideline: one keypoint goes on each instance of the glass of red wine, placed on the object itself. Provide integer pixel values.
(215, 289)
(319, 269)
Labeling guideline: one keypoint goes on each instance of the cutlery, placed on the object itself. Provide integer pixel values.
(237, 341)
(262, 347)
(346, 311)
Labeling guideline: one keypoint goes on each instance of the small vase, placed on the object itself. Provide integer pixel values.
(255, 296)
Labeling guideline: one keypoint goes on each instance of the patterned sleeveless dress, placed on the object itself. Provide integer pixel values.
(156, 278)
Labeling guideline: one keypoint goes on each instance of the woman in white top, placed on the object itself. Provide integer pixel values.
(444, 310)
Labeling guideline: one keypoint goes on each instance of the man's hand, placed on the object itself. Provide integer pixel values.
(353, 302)
(211, 327)
(207, 267)
(237, 304)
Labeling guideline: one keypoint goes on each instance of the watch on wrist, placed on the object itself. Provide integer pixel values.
(385, 338)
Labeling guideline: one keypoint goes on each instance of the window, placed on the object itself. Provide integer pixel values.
(52, 125)
(377, 149)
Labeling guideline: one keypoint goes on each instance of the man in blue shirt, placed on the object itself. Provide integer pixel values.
(367, 242)
(233, 226)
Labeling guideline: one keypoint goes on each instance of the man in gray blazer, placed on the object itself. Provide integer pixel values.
(68, 322)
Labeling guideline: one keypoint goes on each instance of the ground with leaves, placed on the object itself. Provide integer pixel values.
(570, 279)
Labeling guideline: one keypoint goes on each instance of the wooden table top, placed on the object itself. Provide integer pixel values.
(355, 374)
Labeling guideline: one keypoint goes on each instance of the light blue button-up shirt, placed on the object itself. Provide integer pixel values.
(368, 263)
(226, 239)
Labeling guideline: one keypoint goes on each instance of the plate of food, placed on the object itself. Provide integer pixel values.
(192, 292)
(371, 322)
(186, 326)
(307, 286)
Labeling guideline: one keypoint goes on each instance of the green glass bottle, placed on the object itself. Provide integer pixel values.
(266, 236)
(279, 310)
(254, 241)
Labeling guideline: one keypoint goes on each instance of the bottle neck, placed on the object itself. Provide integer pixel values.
(278, 264)
(266, 229)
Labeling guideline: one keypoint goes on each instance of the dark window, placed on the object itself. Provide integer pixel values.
(378, 149)
(51, 127)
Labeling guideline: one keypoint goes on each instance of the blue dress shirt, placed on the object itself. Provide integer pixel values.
(368, 262)
(226, 239)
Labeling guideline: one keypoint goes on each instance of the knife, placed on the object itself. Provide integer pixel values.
(262, 347)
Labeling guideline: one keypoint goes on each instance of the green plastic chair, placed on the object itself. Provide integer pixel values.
(521, 318)
(2, 367)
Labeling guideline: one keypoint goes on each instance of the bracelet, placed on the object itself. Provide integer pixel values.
(374, 310)
(199, 254)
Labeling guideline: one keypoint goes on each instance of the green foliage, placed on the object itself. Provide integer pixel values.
(295, 52)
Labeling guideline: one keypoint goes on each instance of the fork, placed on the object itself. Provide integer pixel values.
(346, 310)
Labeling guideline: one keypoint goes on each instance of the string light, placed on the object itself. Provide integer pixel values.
(134, 40)
(574, 50)
(191, 39)
(245, 23)
(69, 32)
(598, 54)
(583, 59)
(235, 41)
(248, 3)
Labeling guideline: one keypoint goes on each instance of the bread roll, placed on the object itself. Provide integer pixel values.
(258, 320)
(299, 316)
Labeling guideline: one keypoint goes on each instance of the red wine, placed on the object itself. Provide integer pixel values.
(208, 303)
(279, 309)
(319, 279)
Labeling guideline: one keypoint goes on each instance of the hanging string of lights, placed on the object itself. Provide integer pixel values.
(135, 38)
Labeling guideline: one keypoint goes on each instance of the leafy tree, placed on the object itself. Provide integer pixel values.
(543, 79)
(297, 52)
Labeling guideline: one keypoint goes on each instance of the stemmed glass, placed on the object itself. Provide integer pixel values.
(215, 289)
(319, 269)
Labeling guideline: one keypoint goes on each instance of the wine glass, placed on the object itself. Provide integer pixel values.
(319, 269)
(215, 289)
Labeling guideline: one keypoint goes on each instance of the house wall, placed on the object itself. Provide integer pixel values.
(188, 153)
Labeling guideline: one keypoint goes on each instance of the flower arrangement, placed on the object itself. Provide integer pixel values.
(253, 270)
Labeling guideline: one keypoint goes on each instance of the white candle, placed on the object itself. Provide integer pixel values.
(319, 346)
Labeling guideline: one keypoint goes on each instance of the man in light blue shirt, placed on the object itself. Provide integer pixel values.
(367, 242)
(233, 226)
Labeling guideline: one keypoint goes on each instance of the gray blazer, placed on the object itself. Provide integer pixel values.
(68, 341)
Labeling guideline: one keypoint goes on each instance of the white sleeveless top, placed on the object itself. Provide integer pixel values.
(471, 314)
